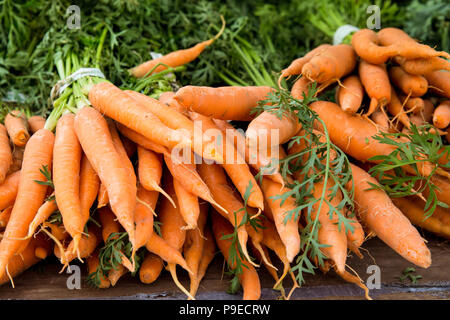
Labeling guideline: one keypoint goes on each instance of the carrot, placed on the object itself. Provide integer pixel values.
(193, 247)
(375, 80)
(43, 213)
(428, 110)
(413, 85)
(376, 210)
(356, 238)
(35, 123)
(17, 127)
(380, 118)
(118, 105)
(331, 64)
(17, 159)
(296, 66)
(367, 46)
(422, 66)
(414, 104)
(439, 82)
(129, 145)
(89, 186)
(168, 99)
(443, 191)
(141, 140)
(174, 59)
(287, 227)
(92, 265)
(8, 190)
(395, 108)
(301, 88)
(413, 209)
(102, 198)
(150, 268)
(350, 94)
(95, 139)
(66, 176)
(189, 206)
(441, 115)
(30, 195)
(248, 277)
(122, 152)
(226, 103)
(116, 273)
(19, 263)
(5, 153)
(108, 223)
(143, 216)
(406, 46)
(4, 217)
(166, 96)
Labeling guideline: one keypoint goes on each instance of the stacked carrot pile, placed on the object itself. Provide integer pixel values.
(128, 183)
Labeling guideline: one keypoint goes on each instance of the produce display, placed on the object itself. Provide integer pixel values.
(162, 168)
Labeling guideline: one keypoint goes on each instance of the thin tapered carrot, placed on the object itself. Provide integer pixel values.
(89, 186)
(174, 59)
(368, 47)
(143, 216)
(150, 170)
(296, 66)
(30, 195)
(102, 197)
(35, 123)
(17, 127)
(226, 103)
(150, 268)
(395, 108)
(287, 227)
(376, 210)
(95, 139)
(6, 158)
(141, 140)
(118, 105)
(439, 82)
(92, 264)
(350, 94)
(414, 85)
(8, 190)
(188, 205)
(422, 66)
(4, 217)
(66, 176)
(441, 115)
(43, 213)
(248, 277)
(376, 83)
(330, 64)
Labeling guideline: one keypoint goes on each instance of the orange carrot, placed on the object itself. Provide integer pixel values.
(350, 94)
(150, 268)
(92, 265)
(108, 223)
(5, 153)
(428, 110)
(35, 123)
(141, 140)
(367, 46)
(168, 99)
(95, 139)
(375, 80)
(226, 103)
(413, 104)
(441, 115)
(439, 82)
(30, 195)
(8, 190)
(422, 66)
(331, 64)
(43, 213)
(300, 88)
(116, 273)
(143, 216)
(87, 245)
(356, 238)
(17, 158)
(395, 108)
(376, 210)
(89, 186)
(118, 105)
(102, 198)
(129, 146)
(188, 205)
(248, 277)
(174, 59)
(66, 176)
(414, 85)
(122, 152)
(380, 118)
(4, 217)
(17, 127)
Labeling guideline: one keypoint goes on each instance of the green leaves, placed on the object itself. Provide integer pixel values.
(48, 177)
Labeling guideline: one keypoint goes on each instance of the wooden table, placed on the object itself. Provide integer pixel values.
(435, 284)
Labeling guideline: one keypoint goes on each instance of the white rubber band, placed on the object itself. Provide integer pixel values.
(342, 32)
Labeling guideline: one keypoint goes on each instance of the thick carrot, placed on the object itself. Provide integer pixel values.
(395, 108)
(30, 195)
(174, 59)
(168, 99)
(428, 110)
(296, 66)
(35, 123)
(141, 140)
(367, 46)
(441, 115)
(92, 265)
(102, 198)
(376, 210)
(150, 268)
(4, 217)
(413, 209)
(89, 186)
(188, 205)
(330, 64)
(439, 82)
(381, 119)
(87, 245)
(406, 46)
(95, 138)
(422, 66)
(226, 103)
(287, 227)
(43, 213)
(414, 85)
(375, 80)
(118, 105)
(143, 216)
(17, 127)
(248, 277)
(17, 158)
(413, 104)
(8, 190)
(5, 153)
(66, 176)
(350, 94)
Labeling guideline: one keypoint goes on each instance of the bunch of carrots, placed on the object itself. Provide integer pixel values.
(129, 183)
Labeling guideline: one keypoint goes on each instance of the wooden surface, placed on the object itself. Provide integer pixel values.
(44, 282)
